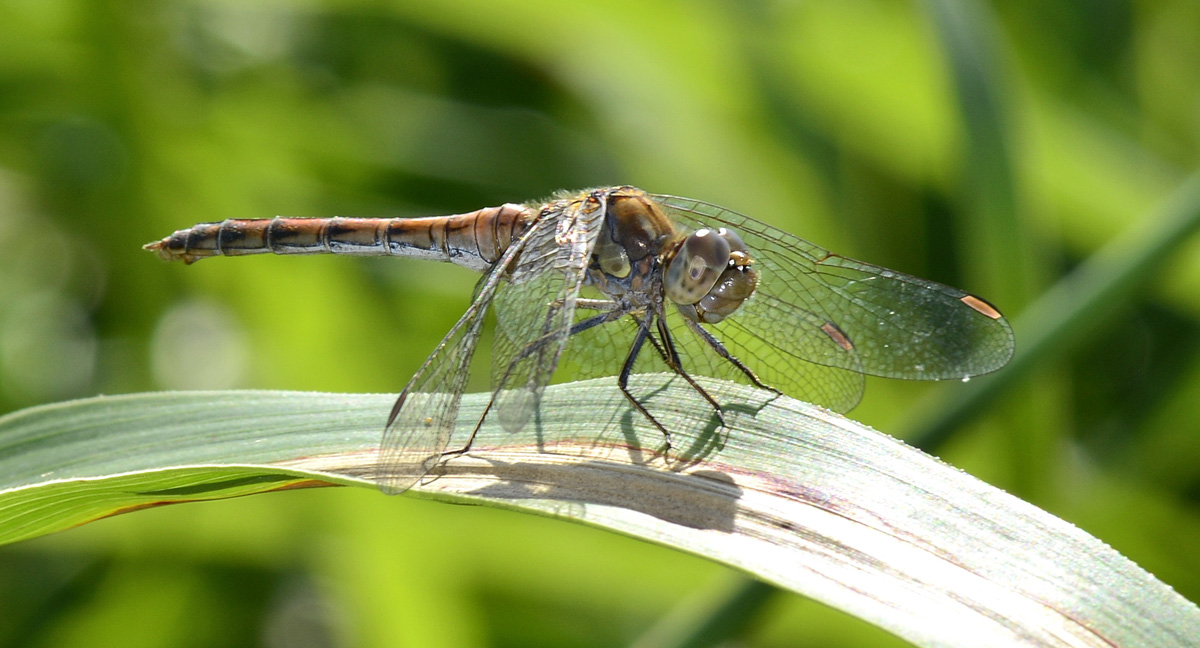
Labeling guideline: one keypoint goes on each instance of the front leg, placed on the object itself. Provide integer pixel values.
(717, 346)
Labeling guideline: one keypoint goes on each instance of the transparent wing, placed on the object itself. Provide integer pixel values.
(424, 416)
(601, 351)
(536, 308)
(814, 311)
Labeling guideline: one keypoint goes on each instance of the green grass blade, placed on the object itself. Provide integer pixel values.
(793, 494)
(995, 244)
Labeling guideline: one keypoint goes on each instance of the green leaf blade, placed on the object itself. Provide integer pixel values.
(793, 494)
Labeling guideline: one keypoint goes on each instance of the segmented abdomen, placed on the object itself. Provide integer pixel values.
(474, 240)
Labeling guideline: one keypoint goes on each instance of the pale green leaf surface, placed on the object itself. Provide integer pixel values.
(791, 493)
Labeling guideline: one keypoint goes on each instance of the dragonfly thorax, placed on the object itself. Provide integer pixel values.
(626, 259)
(634, 230)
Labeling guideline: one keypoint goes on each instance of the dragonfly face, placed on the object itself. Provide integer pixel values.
(710, 276)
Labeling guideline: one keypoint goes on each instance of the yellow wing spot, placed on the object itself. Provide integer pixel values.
(981, 306)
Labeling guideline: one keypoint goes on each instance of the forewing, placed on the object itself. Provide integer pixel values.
(536, 308)
(814, 309)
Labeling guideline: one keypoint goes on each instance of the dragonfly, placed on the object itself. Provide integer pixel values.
(618, 281)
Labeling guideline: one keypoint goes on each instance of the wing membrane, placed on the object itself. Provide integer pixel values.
(537, 308)
(424, 416)
(815, 309)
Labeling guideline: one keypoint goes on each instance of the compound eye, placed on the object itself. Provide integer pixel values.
(735, 242)
(697, 265)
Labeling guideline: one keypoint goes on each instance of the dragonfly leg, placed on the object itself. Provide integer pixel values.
(724, 353)
(530, 349)
(623, 379)
(466, 447)
(671, 355)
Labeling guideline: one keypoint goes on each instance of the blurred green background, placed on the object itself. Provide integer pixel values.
(991, 147)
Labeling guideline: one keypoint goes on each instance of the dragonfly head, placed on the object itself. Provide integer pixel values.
(710, 275)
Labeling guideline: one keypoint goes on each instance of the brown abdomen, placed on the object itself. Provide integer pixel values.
(474, 240)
